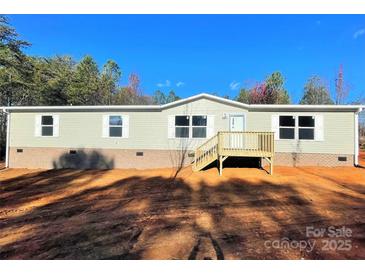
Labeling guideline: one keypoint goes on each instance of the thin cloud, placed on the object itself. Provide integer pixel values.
(180, 84)
(359, 33)
(234, 85)
(167, 83)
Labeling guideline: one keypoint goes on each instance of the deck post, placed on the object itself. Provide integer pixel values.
(220, 165)
(271, 165)
(260, 164)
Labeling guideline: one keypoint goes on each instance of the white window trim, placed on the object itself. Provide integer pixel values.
(54, 129)
(296, 128)
(206, 127)
(188, 126)
(116, 126)
(191, 127)
(292, 127)
(299, 127)
(123, 126)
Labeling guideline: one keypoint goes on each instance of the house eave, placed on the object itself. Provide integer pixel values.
(307, 108)
(253, 107)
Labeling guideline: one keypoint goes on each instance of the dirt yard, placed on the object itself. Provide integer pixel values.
(130, 214)
(362, 158)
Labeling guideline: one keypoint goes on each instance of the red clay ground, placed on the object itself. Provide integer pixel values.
(130, 214)
(362, 158)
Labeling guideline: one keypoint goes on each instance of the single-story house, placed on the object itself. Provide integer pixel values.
(200, 130)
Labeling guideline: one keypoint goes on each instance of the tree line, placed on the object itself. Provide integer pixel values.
(60, 80)
(272, 91)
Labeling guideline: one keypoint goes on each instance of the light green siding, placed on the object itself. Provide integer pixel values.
(338, 129)
(148, 129)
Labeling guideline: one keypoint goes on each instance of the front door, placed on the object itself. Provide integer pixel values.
(236, 123)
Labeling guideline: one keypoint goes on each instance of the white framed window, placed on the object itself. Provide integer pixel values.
(199, 126)
(286, 127)
(115, 126)
(182, 126)
(191, 126)
(47, 125)
(194, 126)
(306, 127)
(298, 127)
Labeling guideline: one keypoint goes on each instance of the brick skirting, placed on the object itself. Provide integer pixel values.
(313, 159)
(96, 158)
(127, 158)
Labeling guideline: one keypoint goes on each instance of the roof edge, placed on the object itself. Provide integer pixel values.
(355, 108)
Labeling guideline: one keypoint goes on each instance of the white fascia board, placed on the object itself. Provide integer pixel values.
(105, 107)
(193, 98)
(354, 108)
(208, 96)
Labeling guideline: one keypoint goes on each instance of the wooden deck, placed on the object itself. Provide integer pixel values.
(239, 144)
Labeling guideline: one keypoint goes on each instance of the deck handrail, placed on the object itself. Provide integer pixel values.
(246, 143)
(206, 151)
(235, 143)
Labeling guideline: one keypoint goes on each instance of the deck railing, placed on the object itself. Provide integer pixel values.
(206, 153)
(246, 143)
(241, 144)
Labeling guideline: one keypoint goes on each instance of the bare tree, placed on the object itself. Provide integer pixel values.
(342, 90)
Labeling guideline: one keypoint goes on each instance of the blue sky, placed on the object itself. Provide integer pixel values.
(208, 53)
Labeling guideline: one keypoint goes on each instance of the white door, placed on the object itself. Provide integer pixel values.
(236, 123)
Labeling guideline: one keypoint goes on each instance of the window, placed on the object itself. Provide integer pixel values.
(115, 126)
(191, 126)
(199, 126)
(306, 127)
(182, 124)
(286, 127)
(47, 125)
(301, 127)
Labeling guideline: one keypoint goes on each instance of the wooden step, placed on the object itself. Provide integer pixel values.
(201, 165)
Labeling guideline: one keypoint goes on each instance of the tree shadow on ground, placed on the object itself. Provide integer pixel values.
(150, 217)
(36, 185)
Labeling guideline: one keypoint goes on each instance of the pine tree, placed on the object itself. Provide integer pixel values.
(316, 93)
(84, 87)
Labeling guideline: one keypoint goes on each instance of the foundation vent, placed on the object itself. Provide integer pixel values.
(73, 152)
(19, 150)
(139, 153)
(342, 158)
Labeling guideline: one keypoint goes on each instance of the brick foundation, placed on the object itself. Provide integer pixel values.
(312, 159)
(127, 158)
(96, 158)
